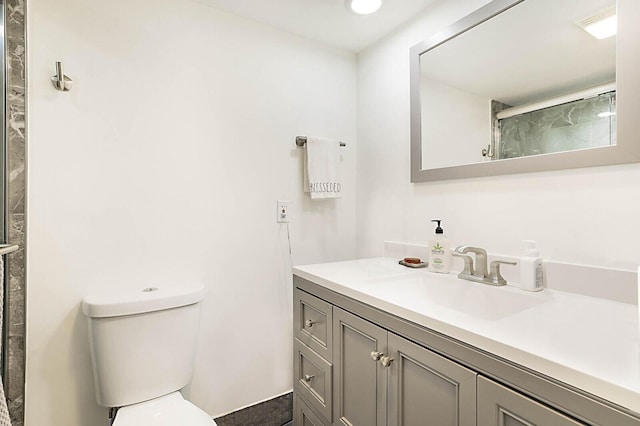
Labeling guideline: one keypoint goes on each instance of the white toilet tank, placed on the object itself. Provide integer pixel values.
(142, 341)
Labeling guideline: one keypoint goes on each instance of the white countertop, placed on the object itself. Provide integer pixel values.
(590, 343)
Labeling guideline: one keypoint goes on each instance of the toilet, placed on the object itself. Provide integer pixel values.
(143, 345)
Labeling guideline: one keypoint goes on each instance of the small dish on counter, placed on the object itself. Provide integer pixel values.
(412, 262)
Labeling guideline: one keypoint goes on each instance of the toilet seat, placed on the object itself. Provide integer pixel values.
(168, 410)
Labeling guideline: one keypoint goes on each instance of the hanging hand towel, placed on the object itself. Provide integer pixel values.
(322, 168)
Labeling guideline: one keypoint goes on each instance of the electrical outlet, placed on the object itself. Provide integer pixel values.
(282, 212)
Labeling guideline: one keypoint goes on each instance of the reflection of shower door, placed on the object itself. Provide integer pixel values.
(589, 122)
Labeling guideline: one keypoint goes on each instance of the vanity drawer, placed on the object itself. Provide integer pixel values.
(313, 323)
(303, 415)
(312, 376)
(498, 405)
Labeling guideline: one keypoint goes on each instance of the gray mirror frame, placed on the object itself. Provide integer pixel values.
(627, 149)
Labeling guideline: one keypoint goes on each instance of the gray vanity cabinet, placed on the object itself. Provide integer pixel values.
(355, 365)
(312, 355)
(425, 388)
(360, 385)
(383, 379)
(500, 406)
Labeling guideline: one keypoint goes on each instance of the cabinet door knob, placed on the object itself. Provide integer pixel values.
(376, 355)
(308, 378)
(309, 323)
(386, 361)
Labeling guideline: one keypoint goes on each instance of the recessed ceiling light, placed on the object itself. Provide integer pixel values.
(602, 25)
(363, 7)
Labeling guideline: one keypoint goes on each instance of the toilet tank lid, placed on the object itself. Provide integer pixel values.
(116, 303)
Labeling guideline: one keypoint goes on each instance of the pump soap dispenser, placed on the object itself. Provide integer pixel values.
(531, 275)
(439, 252)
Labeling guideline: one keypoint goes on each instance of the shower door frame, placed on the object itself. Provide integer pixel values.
(3, 187)
(14, 196)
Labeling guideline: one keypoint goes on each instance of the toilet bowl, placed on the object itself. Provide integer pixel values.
(143, 345)
(168, 410)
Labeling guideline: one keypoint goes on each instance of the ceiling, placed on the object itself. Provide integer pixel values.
(327, 21)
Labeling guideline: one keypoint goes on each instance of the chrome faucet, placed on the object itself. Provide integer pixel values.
(479, 273)
(480, 269)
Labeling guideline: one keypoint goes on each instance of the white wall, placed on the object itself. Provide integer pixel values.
(163, 165)
(587, 216)
(456, 125)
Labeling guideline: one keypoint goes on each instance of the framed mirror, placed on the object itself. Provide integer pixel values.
(522, 86)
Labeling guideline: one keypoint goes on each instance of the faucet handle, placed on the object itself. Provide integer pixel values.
(494, 274)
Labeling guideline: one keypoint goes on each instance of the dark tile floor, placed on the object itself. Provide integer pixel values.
(275, 412)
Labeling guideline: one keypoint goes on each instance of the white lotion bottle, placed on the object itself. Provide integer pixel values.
(439, 251)
(531, 274)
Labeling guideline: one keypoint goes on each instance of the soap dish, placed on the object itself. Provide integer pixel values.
(413, 265)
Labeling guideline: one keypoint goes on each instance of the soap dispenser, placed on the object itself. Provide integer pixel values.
(439, 252)
(531, 275)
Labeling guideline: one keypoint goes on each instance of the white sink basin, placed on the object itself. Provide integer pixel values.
(434, 291)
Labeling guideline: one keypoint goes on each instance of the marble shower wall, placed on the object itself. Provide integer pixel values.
(16, 138)
(566, 127)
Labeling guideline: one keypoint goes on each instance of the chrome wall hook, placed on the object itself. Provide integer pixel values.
(60, 81)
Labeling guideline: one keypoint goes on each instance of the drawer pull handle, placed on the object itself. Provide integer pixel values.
(386, 361)
(308, 378)
(376, 355)
(309, 323)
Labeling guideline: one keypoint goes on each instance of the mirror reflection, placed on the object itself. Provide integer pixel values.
(532, 80)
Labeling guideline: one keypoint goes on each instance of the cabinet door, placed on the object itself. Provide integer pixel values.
(500, 406)
(360, 382)
(427, 389)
